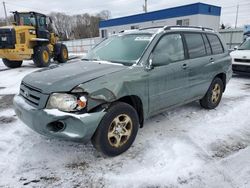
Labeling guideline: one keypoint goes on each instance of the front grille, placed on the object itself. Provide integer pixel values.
(31, 94)
(241, 68)
(242, 60)
(22, 38)
(7, 38)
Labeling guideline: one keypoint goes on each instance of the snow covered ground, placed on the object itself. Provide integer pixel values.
(184, 147)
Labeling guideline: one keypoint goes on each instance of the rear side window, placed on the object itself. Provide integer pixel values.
(215, 43)
(195, 45)
(208, 48)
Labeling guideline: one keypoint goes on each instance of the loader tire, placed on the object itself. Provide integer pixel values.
(12, 64)
(42, 56)
(63, 56)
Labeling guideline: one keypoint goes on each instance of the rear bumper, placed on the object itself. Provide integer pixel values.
(75, 127)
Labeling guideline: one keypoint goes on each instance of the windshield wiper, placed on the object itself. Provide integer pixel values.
(125, 63)
(88, 59)
(109, 61)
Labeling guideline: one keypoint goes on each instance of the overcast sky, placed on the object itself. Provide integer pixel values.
(121, 8)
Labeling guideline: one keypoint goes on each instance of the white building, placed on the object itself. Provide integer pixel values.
(198, 14)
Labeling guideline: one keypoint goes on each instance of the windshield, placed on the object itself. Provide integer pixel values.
(245, 45)
(27, 19)
(124, 49)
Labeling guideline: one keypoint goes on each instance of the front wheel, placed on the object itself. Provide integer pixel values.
(12, 64)
(42, 56)
(117, 130)
(213, 96)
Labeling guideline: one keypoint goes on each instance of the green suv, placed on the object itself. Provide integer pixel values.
(123, 81)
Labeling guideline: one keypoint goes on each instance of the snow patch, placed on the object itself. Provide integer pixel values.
(177, 148)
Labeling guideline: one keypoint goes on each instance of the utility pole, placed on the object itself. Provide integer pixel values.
(145, 6)
(236, 21)
(237, 13)
(6, 18)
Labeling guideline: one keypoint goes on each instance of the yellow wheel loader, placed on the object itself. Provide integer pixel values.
(31, 37)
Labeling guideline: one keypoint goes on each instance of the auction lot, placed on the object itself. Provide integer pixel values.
(184, 147)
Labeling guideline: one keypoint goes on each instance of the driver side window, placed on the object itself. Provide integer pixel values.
(169, 49)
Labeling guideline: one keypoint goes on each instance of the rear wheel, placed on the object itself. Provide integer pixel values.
(213, 96)
(12, 64)
(117, 130)
(42, 56)
(63, 56)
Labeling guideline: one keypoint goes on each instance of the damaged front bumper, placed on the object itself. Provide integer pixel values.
(58, 124)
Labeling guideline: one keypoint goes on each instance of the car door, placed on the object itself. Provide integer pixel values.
(219, 58)
(200, 58)
(168, 77)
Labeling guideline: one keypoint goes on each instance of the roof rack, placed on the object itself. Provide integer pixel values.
(188, 27)
(127, 30)
(152, 27)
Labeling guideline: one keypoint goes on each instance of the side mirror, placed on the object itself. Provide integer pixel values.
(236, 47)
(160, 59)
(149, 65)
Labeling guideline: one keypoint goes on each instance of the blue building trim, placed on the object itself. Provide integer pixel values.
(186, 10)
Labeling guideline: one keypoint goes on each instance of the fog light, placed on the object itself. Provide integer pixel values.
(56, 126)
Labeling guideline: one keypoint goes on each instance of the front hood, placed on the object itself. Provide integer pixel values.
(64, 77)
(240, 54)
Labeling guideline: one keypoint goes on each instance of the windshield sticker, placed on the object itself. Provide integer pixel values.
(142, 38)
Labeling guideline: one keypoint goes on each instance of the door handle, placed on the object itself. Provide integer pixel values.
(211, 60)
(184, 66)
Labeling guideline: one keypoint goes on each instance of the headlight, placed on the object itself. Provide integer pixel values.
(67, 102)
(32, 31)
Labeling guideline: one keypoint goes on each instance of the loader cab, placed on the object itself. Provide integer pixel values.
(39, 21)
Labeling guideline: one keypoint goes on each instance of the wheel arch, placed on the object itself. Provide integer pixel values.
(223, 77)
(136, 103)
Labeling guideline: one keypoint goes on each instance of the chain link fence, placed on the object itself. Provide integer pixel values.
(81, 46)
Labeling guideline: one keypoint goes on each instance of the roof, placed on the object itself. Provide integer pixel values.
(29, 12)
(185, 10)
(159, 29)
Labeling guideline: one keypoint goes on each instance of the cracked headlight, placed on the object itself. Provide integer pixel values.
(66, 102)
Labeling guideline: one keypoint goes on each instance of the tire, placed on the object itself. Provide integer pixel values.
(63, 55)
(213, 96)
(42, 56)
(12, 64)
(107, 134)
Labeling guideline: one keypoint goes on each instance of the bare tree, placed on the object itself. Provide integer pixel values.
(63, 24)
(104, 15)
(76, 26)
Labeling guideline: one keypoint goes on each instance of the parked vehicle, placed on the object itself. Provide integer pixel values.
(241, 58)
(122, 82)
(31, 37)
